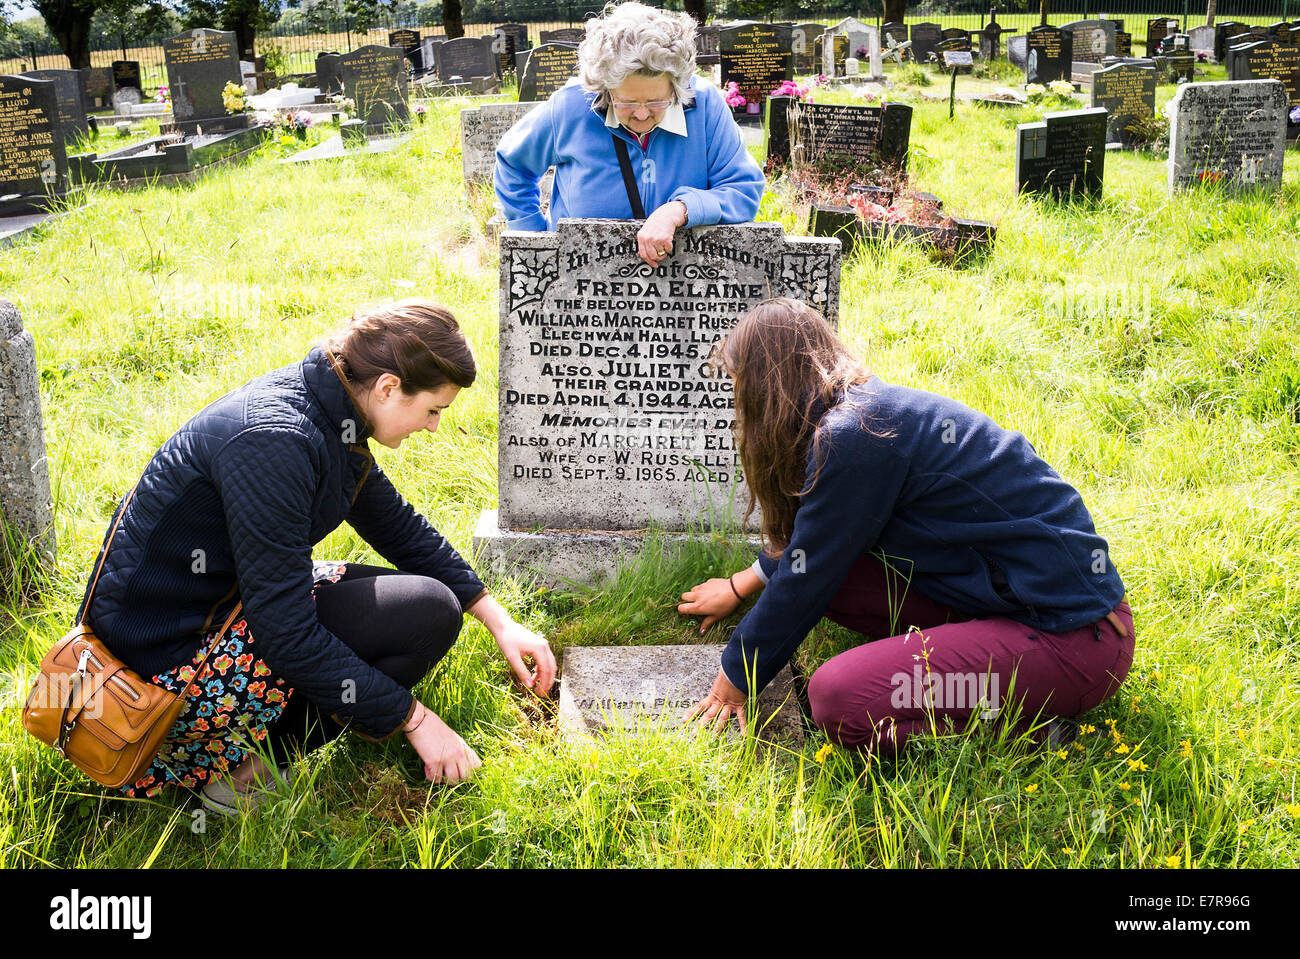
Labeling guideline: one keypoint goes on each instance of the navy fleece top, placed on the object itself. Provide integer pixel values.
(967, 507)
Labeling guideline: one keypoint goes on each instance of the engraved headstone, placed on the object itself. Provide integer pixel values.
(863, 44)
(803, 45)
(126, 75)
(641, 689)
(481, 130)
(465, 58)
(374, 78)
(547, 67)
(1123, 44)
(25, 504)
(756, 57)
(200, 63)
(429, 52)
(408, 41)
(893, 30)
(990, 39)
(518, 32)
(33, 163)
(1018, 51)
(1201, 40)
(1270, 61)
(1235, 47)
(1157, 29)
(1062, 154)
(71, 101)
(1231, 134)
(97, 87)
(611, 417)
(925, 41)
(1049, 55)
(1092, 39)
(329, 78)
(1222, 30)
(564, 35)
(839, 137)
(1127, 92)
(503, 47)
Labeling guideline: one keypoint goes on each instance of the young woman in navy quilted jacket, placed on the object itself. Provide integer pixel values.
(228, 511)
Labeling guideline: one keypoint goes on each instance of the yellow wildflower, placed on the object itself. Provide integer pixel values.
(1241, 828)
(1032, 788)
(1156, 676)
(1122, 748)
(1079, 746)
(1067, 850)
(1294, 811)
(1087, 728)
(1124, 785)
(1137, 764)
(1185, 748)
(823, 753)
(1137, 802)
(1062, 753)
(1173, 862)
(1111, 723)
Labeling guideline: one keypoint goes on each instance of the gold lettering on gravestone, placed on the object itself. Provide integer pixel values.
(757, 62)
(27, 153)
(552, 67)
(202, 50)
(1277, 63)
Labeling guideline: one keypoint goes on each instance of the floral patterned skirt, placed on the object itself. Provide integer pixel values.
(232, 705)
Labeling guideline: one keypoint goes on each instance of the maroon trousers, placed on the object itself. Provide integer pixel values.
(933, 664)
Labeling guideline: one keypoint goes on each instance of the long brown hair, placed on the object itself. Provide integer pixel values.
(789, 367)
(417, 340)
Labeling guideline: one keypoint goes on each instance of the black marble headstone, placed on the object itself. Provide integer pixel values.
(1062, 154)
(408, 41)
(517, 32)
(503, 48)
(991, 40)
(925, 41)
(954, 40)
(1050, 55)
(200, 63)
(564, 35)
(1127, 92)
(126, 73)
(1157, 29)
(1270, 61)
(756, 57)
(465, 57)
(803, 45)
(840, 137)
(1123, 44)
(329, 80)
(546, 68)
(70, 100)
(33, 163)
(1222, 30)
(374, 78)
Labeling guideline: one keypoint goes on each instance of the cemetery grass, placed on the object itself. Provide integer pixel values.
(1146, 346)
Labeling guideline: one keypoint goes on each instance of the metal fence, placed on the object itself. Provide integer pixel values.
(292, 49)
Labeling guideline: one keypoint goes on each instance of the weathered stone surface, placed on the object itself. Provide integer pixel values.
(481, 129)
(861, 36)
(635, 688)
(24, 471)
(1232, 134)
(610, 417)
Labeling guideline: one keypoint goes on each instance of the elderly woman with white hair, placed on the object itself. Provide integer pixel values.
(636, 135)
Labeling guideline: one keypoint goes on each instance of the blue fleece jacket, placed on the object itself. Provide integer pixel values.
(709, 169)
(966, 507)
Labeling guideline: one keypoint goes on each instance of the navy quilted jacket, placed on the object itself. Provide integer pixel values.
(230, 508)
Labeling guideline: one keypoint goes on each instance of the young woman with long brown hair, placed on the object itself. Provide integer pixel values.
(228, 511)
(913, 518)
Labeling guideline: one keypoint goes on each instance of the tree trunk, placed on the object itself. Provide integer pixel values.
(696, 8)
(1042, 20)
(245, 37)
(451, 24)
(70, 26)
(895, 10)
(1210, 10)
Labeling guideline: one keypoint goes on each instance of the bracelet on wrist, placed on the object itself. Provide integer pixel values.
(732, 580)
(411, 729)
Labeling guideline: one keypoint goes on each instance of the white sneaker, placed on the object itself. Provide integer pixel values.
(222, 798)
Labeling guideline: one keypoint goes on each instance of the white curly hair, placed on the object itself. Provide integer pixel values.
(631, 38)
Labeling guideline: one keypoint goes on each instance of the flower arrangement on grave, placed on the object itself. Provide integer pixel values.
(910, 207)
(735, 99)
(420, 112)
(1202, 56)
(164, 96)
(820, 80)
(1295, 115)
(861, 53)
(1056, 93)
(234, 97)
(343, 106)
(788, 88)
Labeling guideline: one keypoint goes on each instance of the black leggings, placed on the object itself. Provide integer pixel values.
(399, 623)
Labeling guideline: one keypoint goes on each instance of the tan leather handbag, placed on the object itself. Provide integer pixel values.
(94, 710)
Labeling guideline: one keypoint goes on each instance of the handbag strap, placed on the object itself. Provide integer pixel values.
(212, 647)
(90, 596)
(629, 181)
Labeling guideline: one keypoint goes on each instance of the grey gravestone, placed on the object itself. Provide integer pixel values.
(465, 57)
(706, 46)
(649, 688)
(199, 65)
(126, 75)
(125, 99)
(1092, 39)
(1063, 154)
(24, 470)
(1222, 30)
(329, 79)
(1049, 55)
(547, 67)
(429, 52)
(97, 86)
(1201, 40)
(408, 41)
(1231, 134)
(374, 78)
(564, 35)
(1018, 51)
(1270, 61)
(862, 36)
(1127, 92)
(925, 41)
(33, 164)
(991, 40)
(803, 46)
(610, 416)
(71, 101)
(839, 137)
(481, 130)
(756, 57)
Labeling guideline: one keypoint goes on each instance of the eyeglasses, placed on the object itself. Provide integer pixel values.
(654, 106)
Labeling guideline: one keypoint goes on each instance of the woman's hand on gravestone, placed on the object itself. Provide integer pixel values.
(447, 757)
(517, 642)
(723, 701)
(654, 241)
(713, 599)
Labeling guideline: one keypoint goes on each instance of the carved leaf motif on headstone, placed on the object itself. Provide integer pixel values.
(806, 277)
(531, 274)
